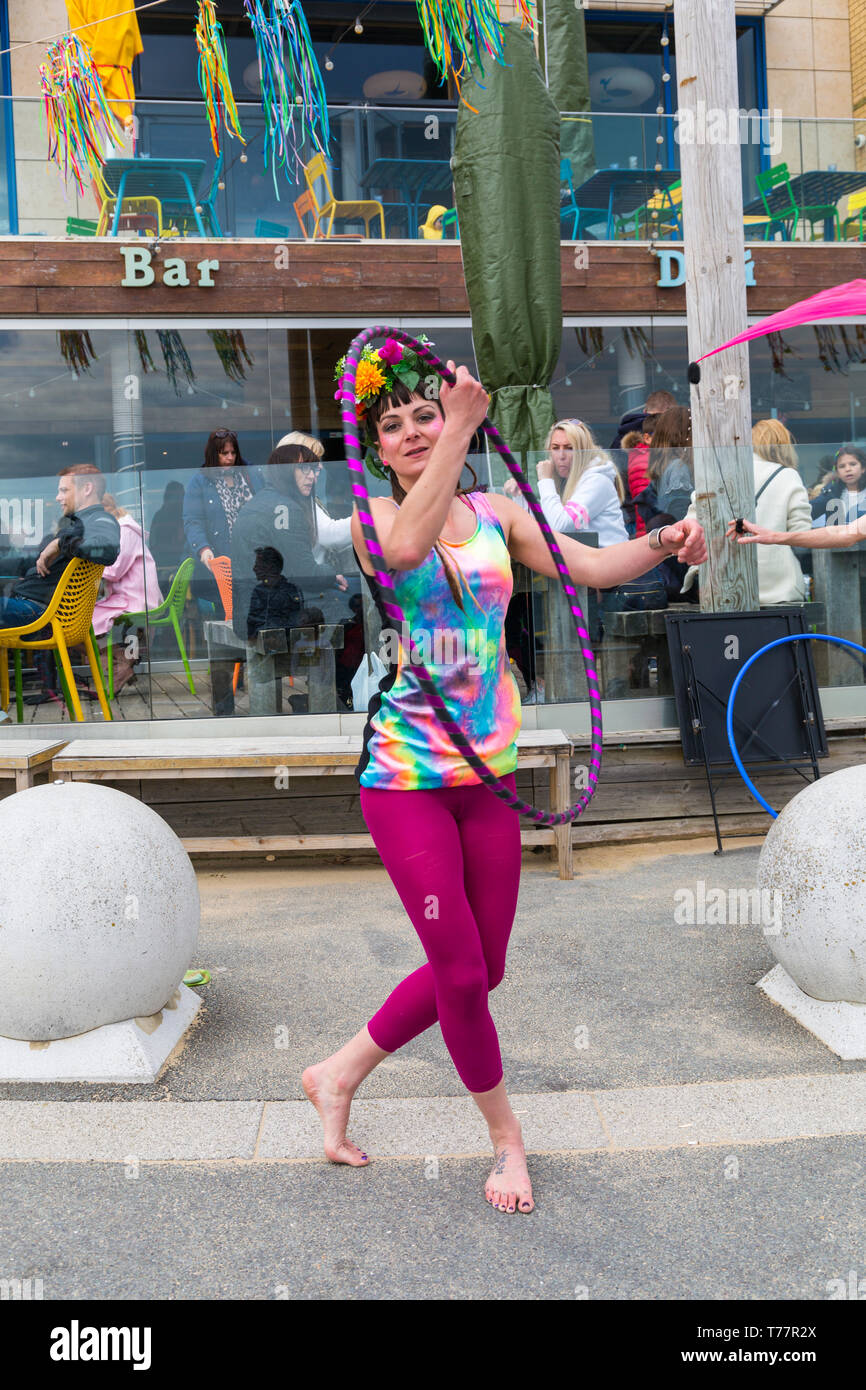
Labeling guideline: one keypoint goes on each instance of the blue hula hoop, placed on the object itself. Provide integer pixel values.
(729, 719)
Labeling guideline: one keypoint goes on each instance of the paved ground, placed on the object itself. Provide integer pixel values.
(688, 1139)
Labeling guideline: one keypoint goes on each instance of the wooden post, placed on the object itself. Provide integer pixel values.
(708, 134)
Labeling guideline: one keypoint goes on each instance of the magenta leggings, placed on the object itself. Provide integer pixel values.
(453, 854)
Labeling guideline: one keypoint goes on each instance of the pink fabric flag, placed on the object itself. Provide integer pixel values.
(846, 301)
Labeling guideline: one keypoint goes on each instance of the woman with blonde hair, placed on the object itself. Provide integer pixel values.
(781, 505)
(579, 487)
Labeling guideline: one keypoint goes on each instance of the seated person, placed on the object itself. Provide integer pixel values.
(274, 602)
(86, 531)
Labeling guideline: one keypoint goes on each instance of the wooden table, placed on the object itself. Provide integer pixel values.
(272, 654)
(96, 760)
(23, 758)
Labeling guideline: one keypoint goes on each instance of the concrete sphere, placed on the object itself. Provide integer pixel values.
(99, 910)
(815, 857)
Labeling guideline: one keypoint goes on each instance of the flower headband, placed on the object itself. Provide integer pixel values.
(379, 370)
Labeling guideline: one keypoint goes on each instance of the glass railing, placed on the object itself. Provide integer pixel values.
(260, 609)
(620, 176)
(394, 160)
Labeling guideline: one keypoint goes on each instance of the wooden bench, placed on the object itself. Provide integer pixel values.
(23, 758)
(92, 760)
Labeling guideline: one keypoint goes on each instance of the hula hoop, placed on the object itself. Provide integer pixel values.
(729, 719)
(393, 610)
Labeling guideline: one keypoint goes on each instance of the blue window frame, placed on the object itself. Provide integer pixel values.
(630, 70)
(8, 190)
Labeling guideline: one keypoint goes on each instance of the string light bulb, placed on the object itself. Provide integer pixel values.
(242, 158)
(329, 66)
(358, 26)
(664, 40)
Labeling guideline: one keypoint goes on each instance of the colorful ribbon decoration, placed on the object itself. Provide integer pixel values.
(393, 610)
(455, 30)
(213, 75)
(77, 113)
(292, 85)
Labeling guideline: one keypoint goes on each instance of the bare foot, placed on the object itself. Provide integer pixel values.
(508, 1188)
(332, 1102)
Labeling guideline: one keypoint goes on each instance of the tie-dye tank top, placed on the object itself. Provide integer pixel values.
(405, 747)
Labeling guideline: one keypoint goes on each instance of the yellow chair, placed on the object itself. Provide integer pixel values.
(356, 211)
(856, 209)
(136, 215)
(69, 615)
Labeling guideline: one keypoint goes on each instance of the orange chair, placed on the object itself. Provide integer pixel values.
(221, 569)
(356, 211)
(69, 616)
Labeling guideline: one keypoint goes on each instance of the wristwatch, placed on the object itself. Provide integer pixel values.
(654, 538)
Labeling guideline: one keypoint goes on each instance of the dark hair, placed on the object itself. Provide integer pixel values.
(271, 557)
(854, 451)
(215, 442)
(401, 395)
(295, 456)
(673, 430)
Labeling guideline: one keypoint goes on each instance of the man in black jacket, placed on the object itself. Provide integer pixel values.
(86, 531)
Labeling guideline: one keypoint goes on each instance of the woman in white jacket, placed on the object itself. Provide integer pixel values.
(578, 486)
(782, 505)
(333, 532)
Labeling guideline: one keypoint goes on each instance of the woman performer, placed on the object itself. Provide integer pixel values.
(450, 846)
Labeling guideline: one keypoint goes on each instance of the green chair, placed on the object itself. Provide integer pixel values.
(167, 612)
(270, 229)
(449, 219)
(80, 226)
(779, 177)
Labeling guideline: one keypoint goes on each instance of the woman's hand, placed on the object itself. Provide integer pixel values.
(47, 557)
(342, 581)
(544, 469)
(687, 538)
(756, 533)
(206, 556)
(466, 402)
(511, 488)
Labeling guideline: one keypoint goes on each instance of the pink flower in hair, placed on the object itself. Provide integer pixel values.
(391, 351)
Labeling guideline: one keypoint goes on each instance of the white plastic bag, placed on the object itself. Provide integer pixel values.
(366, 679)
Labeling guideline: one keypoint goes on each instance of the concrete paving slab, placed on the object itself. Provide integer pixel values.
(101, 1130)
(439, 1125)
(650, 1117)
(736, 1112)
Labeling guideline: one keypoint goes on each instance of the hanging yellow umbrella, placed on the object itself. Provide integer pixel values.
(114, 43)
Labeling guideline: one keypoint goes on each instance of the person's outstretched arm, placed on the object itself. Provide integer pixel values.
(821, 538)
(603, 568)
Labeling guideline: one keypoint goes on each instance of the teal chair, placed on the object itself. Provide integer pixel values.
(168, 612)
(179, 215)
(779, 177)
(271, 229)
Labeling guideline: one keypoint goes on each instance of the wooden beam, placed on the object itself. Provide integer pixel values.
(708, 102)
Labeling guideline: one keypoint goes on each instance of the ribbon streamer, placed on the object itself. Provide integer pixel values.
(77, 113)
(213, 75)
(292, 85)
(458, 31)
(392, 608)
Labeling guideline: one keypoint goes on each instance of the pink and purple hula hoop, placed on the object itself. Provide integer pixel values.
(393, 610)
